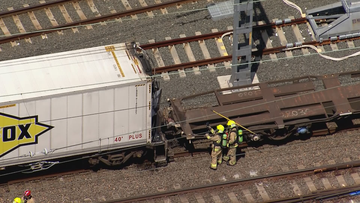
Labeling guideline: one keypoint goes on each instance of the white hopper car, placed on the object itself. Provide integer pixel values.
(85, 102)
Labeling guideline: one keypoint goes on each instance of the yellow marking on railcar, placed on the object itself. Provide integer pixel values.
(16, 131)
(133, 68)
(127, 53)
(250, 38)
(136, 61)
(112, 50)
(6, 106)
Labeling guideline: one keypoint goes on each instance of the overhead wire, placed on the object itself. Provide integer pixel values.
(101, 153)
(124, 19)
(191, 10)
(315, 49)
(137, 171)
(130, 109)
(311, 46)
(291, 4)
(322, 55)
(231, 110)
(186, 71)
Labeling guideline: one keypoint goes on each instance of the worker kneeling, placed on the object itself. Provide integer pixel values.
(216, 152)
(235, 137)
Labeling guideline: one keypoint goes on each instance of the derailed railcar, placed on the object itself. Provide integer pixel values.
(276, 110)
(89, 102)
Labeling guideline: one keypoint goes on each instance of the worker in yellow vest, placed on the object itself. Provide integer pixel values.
(216, 152)
(235, 137)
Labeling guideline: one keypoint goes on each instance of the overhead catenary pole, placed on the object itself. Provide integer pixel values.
(242, 43)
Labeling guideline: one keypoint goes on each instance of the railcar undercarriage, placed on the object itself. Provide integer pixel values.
(310, 105)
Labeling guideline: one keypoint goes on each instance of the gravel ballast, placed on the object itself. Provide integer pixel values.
(186, 172)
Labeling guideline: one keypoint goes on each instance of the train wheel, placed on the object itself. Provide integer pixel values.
(279, 134)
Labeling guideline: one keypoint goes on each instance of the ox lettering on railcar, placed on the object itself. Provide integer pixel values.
(248, 93)
(135, 136)
(16, 131)
(294, 113)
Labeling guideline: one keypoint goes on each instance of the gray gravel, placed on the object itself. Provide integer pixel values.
(18, 4)
(111, 184)
(193, 171)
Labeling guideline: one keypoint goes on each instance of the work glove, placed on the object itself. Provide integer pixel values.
(236, 145)
(227, 145)
(212, 131)
(207, 136)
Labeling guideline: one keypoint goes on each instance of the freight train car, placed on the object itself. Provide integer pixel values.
(85, 102)
(276, 110)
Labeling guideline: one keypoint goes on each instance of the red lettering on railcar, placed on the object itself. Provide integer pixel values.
(135, 136)
(118, 139)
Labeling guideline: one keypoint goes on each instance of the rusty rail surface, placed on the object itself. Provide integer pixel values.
(69, 173)
(33, 8)
(192, 64)
(94, 20)
(214, 35)
(279, 106)
(229, 184)
(259, 52)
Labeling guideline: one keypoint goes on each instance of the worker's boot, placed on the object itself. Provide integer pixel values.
(231, 163)
(213, 166)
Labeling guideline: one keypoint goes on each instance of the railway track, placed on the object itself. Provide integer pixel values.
(270, 41)
(322, 183)
(274, 187)
(214, 197)
(24, 24)
(266, 44)
(50, 176)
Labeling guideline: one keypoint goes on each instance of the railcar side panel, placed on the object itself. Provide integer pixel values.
(74, 103)
(76, 123)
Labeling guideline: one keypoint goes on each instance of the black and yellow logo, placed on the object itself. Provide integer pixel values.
(16, 132)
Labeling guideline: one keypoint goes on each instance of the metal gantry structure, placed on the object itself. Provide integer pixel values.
(242, 43)
(343, 17)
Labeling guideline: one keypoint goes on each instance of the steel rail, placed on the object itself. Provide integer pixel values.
(314, 43)
(75, 172)
(214, 35)
(243, 145)
(192, 64)
(309, 171)
(92, 21)
(32, 8)
(320, 195)
(261, 52)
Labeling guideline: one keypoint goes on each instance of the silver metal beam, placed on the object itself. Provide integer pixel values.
(346, 19)
(242, 42)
